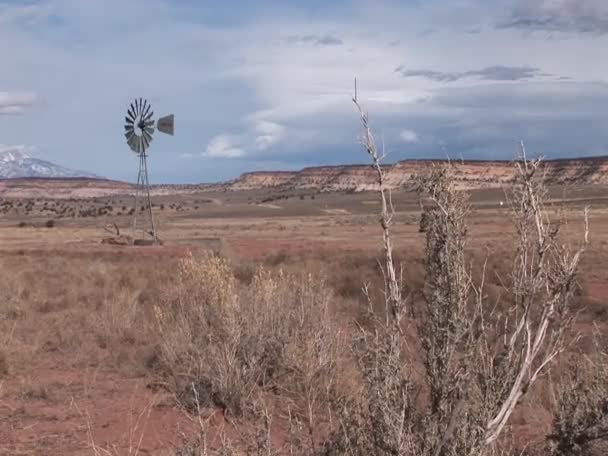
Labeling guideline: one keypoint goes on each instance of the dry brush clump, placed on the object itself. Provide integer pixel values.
(227, 344)
(580, 423)
(454, 391)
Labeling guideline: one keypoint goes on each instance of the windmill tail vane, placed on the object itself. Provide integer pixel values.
(139, 131)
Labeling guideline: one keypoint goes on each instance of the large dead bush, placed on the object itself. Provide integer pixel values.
(477, 360)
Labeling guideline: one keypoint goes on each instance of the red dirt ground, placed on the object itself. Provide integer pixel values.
(62, 410)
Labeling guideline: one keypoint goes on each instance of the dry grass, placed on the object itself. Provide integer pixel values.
(87, 307)
(226, 344)
(580, 422)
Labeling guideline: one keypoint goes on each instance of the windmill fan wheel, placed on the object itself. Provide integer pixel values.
(139, 126)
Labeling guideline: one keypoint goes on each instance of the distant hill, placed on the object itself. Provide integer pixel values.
(469, 174)
(15, 164)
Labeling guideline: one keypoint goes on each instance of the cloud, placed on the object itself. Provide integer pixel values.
(16, 150)
(491, 73)
(438, 76)
(318, 40)
(578, 16)
(32, 14)
(224, 146)
(408, 136)
(557, 119)
(268, 134)
(505, 73)
(16, 103)
(261, 136)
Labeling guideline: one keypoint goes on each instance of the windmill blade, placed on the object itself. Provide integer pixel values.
(132, 112)
(149, 130)
(146, 110)
(148, 117)
(146, 140)
(166, 124)
(143, 106)
(129, 127)
(128, 135)
(132, 144)
(129, 120)
(147, 136)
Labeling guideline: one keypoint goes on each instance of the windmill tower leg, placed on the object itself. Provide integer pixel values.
(143, 188)
(149, 200)
(138, 187)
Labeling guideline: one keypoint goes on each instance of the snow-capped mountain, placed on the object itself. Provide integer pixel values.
(14, 162)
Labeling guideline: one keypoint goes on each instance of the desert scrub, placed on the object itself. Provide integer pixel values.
(478, 362)
(224, 342)
(580, 423)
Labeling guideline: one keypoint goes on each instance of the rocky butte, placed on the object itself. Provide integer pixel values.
(470, 174)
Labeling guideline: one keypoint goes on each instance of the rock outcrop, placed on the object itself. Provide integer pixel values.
(470, 174)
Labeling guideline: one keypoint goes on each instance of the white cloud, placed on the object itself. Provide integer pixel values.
(28, 14)
(16, 149)
(408, 136)
(579, 16)
(224, 146)
(16, 102)
(268, 134)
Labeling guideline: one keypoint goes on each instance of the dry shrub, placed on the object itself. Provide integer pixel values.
(13, 294)
(580, 423)
(119, 314)
(478, 362)
(226, 342)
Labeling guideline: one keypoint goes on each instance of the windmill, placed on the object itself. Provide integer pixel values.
(139, 128)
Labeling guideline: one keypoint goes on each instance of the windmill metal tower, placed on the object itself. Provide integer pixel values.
(139, 128)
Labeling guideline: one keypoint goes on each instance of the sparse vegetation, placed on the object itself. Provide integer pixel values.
(225, 343)
(580, 423)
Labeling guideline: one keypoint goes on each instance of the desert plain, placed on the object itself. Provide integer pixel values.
(78, 345)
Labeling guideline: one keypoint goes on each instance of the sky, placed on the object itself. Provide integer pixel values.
(267, 85)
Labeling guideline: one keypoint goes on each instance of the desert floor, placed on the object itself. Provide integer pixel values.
(76, 361)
